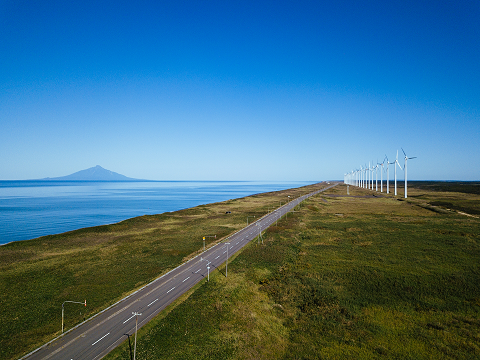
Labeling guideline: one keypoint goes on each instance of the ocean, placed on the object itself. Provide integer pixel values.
(33, 208)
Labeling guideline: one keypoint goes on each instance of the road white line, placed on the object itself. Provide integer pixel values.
(225, 251)
(104, 336)
(197, 271)
(170, 289)
(152, 302)
(217, 257)
(131, 317)
(186, 279)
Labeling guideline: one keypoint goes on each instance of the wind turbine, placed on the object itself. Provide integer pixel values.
(381, 176)
(396, 163)
(371, 175)
(361, 176)
(365, 177)
(405, 167)
(388, 174)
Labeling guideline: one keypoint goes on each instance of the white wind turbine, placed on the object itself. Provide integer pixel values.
(405, 169)
(371, 175)
(366, 177)
(381, 176)
(369, 185)
(396, 163)
(360, 177)
(388, 174)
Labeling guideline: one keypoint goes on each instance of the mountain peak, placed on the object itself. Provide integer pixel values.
(96, 173)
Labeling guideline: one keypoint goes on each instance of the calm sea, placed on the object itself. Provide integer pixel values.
(29, 209)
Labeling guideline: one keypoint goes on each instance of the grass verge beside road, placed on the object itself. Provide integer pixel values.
(359, 277)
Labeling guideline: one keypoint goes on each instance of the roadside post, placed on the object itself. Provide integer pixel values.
(213, 236)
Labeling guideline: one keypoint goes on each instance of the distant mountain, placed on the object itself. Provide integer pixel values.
(96, 173)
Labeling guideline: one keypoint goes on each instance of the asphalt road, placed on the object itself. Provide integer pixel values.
(100, 334)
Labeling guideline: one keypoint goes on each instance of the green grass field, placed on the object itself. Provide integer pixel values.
(357, 277)
(103, 264)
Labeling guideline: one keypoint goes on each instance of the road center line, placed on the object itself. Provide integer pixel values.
(170, 289)
(104, 336)
(186, 279)
(151, 303)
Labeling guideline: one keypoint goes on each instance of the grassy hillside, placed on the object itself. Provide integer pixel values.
(359, 277)
(102, 264)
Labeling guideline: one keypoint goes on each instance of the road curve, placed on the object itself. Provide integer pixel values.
(100, 334)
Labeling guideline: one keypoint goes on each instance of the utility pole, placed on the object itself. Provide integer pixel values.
(136, 326)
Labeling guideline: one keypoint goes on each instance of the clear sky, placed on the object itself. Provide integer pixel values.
(239, 90)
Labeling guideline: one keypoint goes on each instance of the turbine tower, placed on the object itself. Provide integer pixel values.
(405, 169)
(361, 176)
(396, 163)
(381, 176)
(371, 176)
(388, 175)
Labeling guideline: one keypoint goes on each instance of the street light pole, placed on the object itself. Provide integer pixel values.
(259, 233)
(136, 326)
(208, 271)
(226, 263)
(74, 302)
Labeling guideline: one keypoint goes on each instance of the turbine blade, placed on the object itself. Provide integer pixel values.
(403, 152)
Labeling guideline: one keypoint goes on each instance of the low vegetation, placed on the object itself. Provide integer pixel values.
(103, 264)
(358, 277)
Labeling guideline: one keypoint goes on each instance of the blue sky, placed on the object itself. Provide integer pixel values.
(239, 90)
